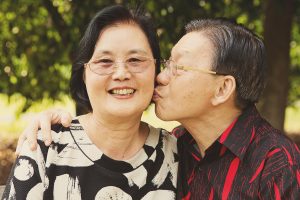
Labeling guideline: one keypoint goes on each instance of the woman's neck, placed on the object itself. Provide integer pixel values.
(118, 139)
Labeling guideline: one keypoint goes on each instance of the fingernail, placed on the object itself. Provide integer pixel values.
(47, 142)
(32, 146)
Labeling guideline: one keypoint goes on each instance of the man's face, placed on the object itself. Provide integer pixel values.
(188, 94)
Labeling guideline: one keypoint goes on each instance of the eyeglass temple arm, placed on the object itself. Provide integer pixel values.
(198, 69)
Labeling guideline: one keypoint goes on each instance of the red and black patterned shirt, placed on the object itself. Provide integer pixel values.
(250, 160)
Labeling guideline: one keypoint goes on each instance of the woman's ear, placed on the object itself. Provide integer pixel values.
(226, 86)
(83, 75)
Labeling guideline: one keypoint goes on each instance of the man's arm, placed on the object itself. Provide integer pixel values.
(43, 121)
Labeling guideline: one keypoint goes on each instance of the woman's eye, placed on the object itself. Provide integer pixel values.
(135, 60)
(105, 61)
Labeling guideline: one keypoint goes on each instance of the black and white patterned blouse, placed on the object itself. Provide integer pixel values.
(74, 168)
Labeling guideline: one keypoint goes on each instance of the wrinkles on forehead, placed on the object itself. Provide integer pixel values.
(178, 53)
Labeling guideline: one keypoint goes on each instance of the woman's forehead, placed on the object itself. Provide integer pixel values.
(127, 38)
(122, 31)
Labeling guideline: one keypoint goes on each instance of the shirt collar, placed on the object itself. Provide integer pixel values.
(241, 132)
(237, 137)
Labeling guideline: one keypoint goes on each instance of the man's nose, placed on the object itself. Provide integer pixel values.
(163, 77)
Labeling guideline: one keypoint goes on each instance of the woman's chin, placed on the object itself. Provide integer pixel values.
(126, 111)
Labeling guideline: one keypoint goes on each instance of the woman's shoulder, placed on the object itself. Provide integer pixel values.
(160, 137)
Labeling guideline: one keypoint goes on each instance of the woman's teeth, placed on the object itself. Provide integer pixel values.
(123, 91)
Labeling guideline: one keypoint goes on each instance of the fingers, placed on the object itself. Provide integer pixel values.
(30, 133)
(21, 140)
(45, 119)
(66, 118)
(53, 117)
(61, 116)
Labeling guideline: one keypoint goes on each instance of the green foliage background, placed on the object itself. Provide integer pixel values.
(38, 37)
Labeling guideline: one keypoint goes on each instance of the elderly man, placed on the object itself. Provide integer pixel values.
(213, 79)
(210, 84)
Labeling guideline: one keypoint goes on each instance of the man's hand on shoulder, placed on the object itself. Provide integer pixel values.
(43, 120)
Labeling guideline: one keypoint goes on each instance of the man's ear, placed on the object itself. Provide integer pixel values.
(226, 86)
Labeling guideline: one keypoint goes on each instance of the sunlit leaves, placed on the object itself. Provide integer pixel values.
(35, 54)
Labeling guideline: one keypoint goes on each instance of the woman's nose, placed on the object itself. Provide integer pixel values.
(121, 72)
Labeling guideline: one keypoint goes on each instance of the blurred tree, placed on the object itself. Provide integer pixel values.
(279, 16)
(38, 38)
(33, 55)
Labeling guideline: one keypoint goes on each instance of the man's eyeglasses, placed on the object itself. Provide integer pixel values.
(109, 66)
(172, 68)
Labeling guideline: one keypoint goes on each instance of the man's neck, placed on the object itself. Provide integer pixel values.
(207, 129)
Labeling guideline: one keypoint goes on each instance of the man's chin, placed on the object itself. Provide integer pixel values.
(162, 115)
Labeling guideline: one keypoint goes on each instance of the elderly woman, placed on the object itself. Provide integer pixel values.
(107, 153)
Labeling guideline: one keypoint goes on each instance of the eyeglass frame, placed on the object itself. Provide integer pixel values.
(88, 64)
(186, 68)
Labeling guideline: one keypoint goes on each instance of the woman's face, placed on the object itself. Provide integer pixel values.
(128, 89)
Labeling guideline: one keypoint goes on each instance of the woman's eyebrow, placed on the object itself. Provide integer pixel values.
(104, 52)
(138, 51)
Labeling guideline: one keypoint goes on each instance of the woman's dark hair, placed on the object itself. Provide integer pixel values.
(106, 17)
